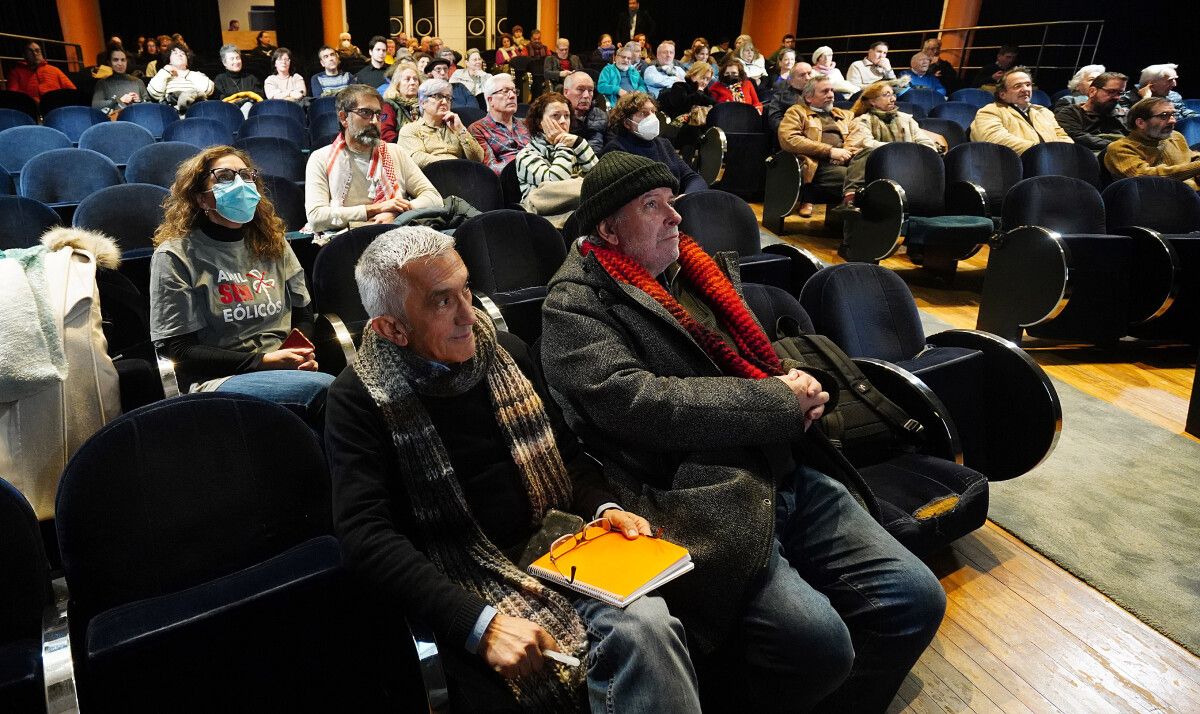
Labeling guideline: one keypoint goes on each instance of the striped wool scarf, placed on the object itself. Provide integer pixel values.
(454, 542)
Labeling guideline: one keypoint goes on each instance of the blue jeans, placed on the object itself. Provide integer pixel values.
(842, 611)
(637, 658)
(300, 391)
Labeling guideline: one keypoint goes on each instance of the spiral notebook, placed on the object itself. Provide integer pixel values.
(613, 569)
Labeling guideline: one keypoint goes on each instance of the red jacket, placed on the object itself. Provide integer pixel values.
(36, 81)
(721, 93)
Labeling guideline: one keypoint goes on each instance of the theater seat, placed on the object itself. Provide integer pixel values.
(471, 181)
(157, 163)
(24, 594)
(61, 178)
(23, 221)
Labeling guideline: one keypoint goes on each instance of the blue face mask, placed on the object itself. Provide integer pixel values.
(236, 200)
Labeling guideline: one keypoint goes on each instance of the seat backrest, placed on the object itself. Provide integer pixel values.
(199, 132)
(1040, 97)
(719, 221)
(333, 288)
(510, 184)
(469, 180)
(26, 584)
(866, 309)
(915, 110)
(57, 98)
(736, 118)
(1059, 203)
(470, 115)
(155, 117)
(994, 167)
(23, 221)
(19, 101)
(949, 130)
(275, 125)
(919, 171)
(21, 143)
(288, 199)
(116, 139)
(976, 97)
(963, 113)
(1155, 202)
(13, 117)
(279, 107)
(272, 155)
(770, 304)
(1058, 158)
(67, 175)
(1060, 94)
(143, 511)
(1190, 128)
(322, 105)
(925, 98)
(130, 213)
(323, 129)
(73, 120)
(157, 163)
(506, 250)
(229, 115)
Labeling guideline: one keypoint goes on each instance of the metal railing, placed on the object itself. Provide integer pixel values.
(72, 53)
(1058, 50)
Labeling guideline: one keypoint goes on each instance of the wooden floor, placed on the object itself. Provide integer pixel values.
(1020, 633)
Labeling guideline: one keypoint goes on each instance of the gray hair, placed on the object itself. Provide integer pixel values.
(1092, 69)
(430, 86)
(382, 284)
(228, 49)
(1155, 72)
(495, 82)
(811, 85)
(574, 77)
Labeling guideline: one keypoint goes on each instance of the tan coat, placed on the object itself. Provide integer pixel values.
(800, 134)
(426, 143)
(907, 130)
(1139, 155)
(1002, 124)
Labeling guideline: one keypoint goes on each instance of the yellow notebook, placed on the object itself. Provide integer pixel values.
(611, 568)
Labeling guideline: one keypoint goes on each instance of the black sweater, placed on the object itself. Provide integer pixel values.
(373, 514)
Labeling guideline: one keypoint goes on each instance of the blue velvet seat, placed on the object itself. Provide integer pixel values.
(157, 163)
(747, 149)
(154, 117)
(973, 96)
(275, 156)
(948, 129)
(13, 117)
(279, 107)
(323, 128)
(927, 99)
(21, 143)
(199, 132)
(961, 112)
(228, 114)
(116, 139)
(276, 125)
(23, 221)
(24, 594)
(1040, 97)
(129, 213)
(1058, 158)
(322, 105)
(61, 178)
(992, 167)
(288, 199)
(469, 180)
(73, 120)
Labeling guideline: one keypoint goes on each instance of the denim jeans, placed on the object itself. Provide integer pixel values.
(300, 391)
(637, 658)
(842, 611)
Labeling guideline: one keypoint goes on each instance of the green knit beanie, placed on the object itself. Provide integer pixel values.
(616, 179)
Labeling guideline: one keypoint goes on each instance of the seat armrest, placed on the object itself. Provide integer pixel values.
(713, 146)
(804, 263)
(489, 306)
(330, 329)
(918, 400)
(437, 693)
(874, 231)
(58, 669)
(964, 198)
(1026, 282)
(167, 375)
(1155, 281)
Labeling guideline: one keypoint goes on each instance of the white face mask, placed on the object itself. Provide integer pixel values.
(648, 128)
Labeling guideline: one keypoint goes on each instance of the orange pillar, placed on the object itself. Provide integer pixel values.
(958, 13)
(548, 24)
(80, 20)
(767, 21)
(334, 21)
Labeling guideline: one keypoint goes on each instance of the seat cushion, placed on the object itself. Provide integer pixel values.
(953, 232)
(21, 687)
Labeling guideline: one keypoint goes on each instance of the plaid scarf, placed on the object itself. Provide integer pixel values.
(382, 181)
(454, 542)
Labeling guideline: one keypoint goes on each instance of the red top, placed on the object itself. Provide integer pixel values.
(721, 93)
(36, 81)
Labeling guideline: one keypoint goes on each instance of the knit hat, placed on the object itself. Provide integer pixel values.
(616, 179)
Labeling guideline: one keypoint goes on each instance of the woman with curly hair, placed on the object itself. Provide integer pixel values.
(226, 290)
(400, 100)
(634, 126)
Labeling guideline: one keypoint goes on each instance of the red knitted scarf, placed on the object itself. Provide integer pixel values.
(754, 357)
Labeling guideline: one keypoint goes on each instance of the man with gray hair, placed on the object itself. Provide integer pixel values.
(816, 131)
(664, 72)
(449, 465)
(587, 120)
(560, 63)
(359, 178)
(1159, 80)
(500, 136)
(788, 95)
(1153, 147)
(233, 81)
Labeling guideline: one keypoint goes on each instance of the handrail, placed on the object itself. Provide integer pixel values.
(69, 64)
(937, 30)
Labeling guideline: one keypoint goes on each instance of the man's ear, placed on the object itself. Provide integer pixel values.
(390, 329)
(606, 229)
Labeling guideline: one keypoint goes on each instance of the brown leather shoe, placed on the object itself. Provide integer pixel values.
(806, 210)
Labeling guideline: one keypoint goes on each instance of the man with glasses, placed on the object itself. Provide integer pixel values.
(1153, 147)
(35, 76)
(1159, 80)
(500, 135)
(360, 178)
(560, 64)
(1013, 120)
(1094, 123)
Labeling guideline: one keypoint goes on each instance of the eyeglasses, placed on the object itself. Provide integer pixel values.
(368, 114)
(441, 97)
(505, 90)
(591, 532)
(1165, 116)
(226, 175)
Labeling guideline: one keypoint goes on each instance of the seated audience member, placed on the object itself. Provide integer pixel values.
(678, 393)
(262, 44)
(878, 122)
(733, 85)
(1094, 123)
(120, 89)
(817, 132)
(519, 39)
(506, 51)
(634, 126)
(360, 178)
(664, 72)
(372, 74)
(1013, 120)
(1153, 147)
(283, 84)
(941, 70)
(1078, 85)
(719, 49)
(390, 56)
(754, 67)
(226, 289)
(872, 68)
(621, 77)
(787, 43)
(178, 86)
(822, 63)
(446, 453)
(558, 65)
(919, 77)
(435, 46)
(633, 22)
(35, 76)
(699, 54)
(500, 135)
(603, 53)
(784, 62)
(438, 68)
(467, 83)
(680, 101)
(438, 134)
(587, 119)
(1006, 59)
(553, 156)
(234, 85)
(1159, 80)
(641, 54)
(783, 99)
(148, 53)
(331, 79)
(348, 51)
(400, 103)
(536, 49)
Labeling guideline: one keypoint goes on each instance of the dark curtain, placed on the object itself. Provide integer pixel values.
(820, 19)
(367, 18)
(584, 22)
(199, 22)
(34, 19)
(301, 31)
(523, 13)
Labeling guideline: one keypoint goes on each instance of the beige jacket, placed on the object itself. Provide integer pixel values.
(1002, 124)
(426, 143)
(322, 216)
(1139, 155)
(800, 134)
(907, 130)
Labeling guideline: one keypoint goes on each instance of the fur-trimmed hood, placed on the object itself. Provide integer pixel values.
(105, 249)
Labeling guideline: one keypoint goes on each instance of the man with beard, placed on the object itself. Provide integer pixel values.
(816, 131)
(1153, 147)
(1013, 120)
(359, 178)
(587, 120)
(1094, 123)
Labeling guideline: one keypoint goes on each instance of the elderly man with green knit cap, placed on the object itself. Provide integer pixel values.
(672, 384)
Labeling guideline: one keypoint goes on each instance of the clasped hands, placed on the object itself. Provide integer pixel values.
(808, 392)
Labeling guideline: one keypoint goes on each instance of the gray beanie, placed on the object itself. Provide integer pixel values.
(616, 179)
